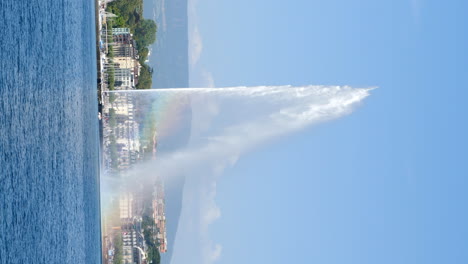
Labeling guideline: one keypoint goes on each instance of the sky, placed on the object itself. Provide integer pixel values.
(385, 184)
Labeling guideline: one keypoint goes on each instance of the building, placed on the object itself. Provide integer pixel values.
(159, 216)
(129, 238)
(124, 131)
(125, 62)
(125, 50)
(126, 71)
(126, 206)
(121, 35)
(120, 31)
(124, 79)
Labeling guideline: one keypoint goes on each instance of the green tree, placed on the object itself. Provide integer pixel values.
(118, 249)
(143, 55)
(148, 232)
(129, 12)
(145, 78)
(111, 78)
(154, 256)
(110, 52)
(145, 33)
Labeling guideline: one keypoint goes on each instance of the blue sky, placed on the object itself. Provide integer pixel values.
(386, 184)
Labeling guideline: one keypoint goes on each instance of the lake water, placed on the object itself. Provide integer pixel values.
(49, 169)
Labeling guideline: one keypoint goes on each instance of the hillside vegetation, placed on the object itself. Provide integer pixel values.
(130, 15)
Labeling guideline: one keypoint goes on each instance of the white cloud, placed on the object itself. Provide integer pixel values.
(196, 46)
(210, 211)
(207, 79)
(199, 75)
(195, 39)
(214, 253)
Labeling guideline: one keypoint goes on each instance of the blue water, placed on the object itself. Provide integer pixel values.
(49, 188)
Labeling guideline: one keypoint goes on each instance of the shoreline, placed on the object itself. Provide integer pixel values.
(98, 69)
(98, 51)
(125, 54)
(97, 27)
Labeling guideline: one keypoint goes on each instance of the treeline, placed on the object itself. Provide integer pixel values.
(130, 15)
(149, 232)
(118, 249)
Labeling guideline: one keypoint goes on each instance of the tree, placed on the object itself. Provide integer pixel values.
(145, 78)
(118, 253)
(128, 12)
(154, 255)
(110, 51)
(148, 232)
(145, 33)
(143, 54)
(111, 78)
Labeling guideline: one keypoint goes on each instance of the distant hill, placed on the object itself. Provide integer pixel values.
(169, 60)
(169, 55)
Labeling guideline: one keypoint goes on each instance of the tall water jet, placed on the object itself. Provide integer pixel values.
(154, 139)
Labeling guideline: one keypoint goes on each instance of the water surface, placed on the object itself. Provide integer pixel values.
(49, 199)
